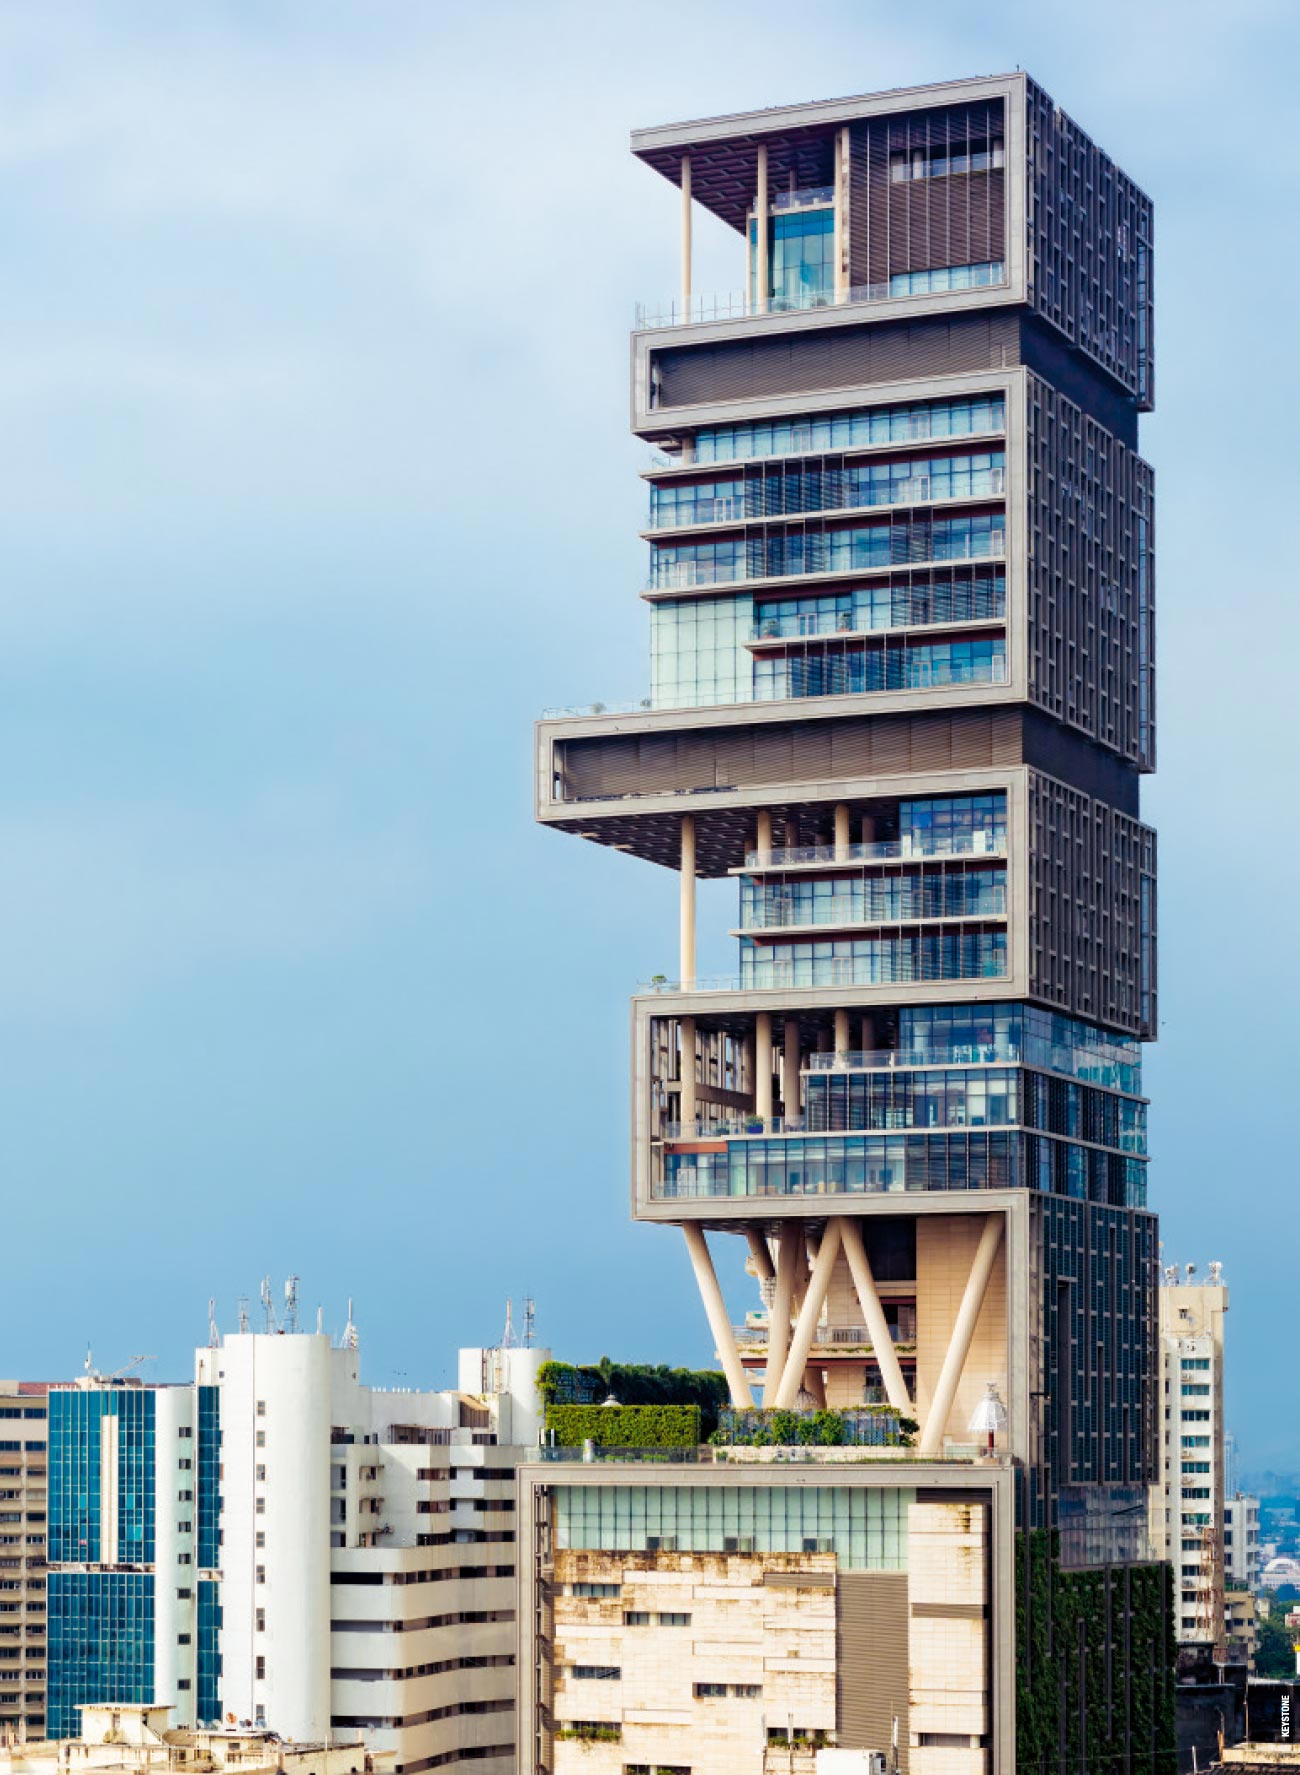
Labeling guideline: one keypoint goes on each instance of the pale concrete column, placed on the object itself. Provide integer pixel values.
(759, 1252)
(790, 1068)
(809, 1313)
(761, 272)
(842, 215)
(763, 835)
(962, 1332)
(687, 1109)
(814, 1380)
(824, 1041)
(687, 958)
(841, 831)
(763, 1064)
(746, 1081)
(873, 1315)
(707, 1282)
(788, 1253)
(686, 237)
(842, 1036)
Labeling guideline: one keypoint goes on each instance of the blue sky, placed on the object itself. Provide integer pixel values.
(315, 488)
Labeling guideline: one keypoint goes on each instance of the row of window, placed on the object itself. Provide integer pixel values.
(960, 893)
(853, 548)
(902, 422)
(875, 961)
(851, 670)
(911, 480)
(945, 162)
(964, 595)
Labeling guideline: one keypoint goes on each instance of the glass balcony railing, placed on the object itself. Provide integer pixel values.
(763, 502)
(917, 550)
(958, 604)
(982, 843)
(811, 197)
(890, 969)
(891, 1059)
(912, 907)
(741, 304)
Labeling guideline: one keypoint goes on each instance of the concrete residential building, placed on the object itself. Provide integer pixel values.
(127, 1740)
(280, 1544)
(1241, 1542)
(1188, 1507)
(23, 1529)
(901, 592)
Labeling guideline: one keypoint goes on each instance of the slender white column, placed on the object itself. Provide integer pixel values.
(763, 1064)
(686, 237)
(707, 1282)
(813, 1301)
(788, 1253)
(962, 1332)
(687, 1103)
(841, 831)
(790, 1069)
(758, 1250)
(874, 1315)
(761, 273)
(842, 215)
(763, 836)
(843, 1038)
(687, 932)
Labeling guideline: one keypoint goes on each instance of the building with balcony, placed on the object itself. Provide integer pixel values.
(1190, 1501)
(901, 600)
(279, 1544)
(23, 1531)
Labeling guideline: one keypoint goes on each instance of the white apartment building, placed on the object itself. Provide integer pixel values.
(367, 1546)
(1188, 1508)
(1241, 1541)
(280, 1546)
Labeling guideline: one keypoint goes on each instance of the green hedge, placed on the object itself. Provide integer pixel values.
(624, 1426)
(634, 1383)
(866, 1426)
(1067, 1715)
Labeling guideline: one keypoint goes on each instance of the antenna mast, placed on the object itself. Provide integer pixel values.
(291, 1304)
(530, 1321)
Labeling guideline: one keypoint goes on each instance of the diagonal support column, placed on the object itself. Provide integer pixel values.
(758, 1250)
(778, 1324)
(874, 1315)
(962, 1332)
(719, 1324)
(809, 1313)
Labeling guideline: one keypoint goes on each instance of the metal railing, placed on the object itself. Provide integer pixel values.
(880, 970)
(683, 575)
(889, 1059)
(726, 1127)
(980, 606)
(809, 197)
(758, 501)
(979, 843)
(852, 1335)
(742, 305)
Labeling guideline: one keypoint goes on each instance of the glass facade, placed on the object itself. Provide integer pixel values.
(947, 277)
(100, 1641)
(800, 258)
(76, 1438)
(874, 961)
(964, 596)
(208, 1467)
(697, 652)
(865, 1527)
(849, 1164)
(773, 493)
(1046, 1039)
(850, 669)
(208, 1691)
(902, 422)
(767, 904)
(780, 554)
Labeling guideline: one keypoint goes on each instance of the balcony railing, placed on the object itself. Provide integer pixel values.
(979, 843)
(881, 970)
(574, 709)
(757, 502)
(811, 197)
(851, 1335)
(741, 304)
(683, 575)
(977, 605)
(841, 910)
(889, 1059)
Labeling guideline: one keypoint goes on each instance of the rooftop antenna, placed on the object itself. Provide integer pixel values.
(291, 1304)
(242, 1306)
(89, 1365)
(530, 1321)
(508, 1335)
(320, 1320)
(1216, 1273)
(213, 1338)
(349, 1341)
(1191, 1271)
(268, 1306)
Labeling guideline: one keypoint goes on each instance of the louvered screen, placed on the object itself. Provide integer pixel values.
(871, 1661)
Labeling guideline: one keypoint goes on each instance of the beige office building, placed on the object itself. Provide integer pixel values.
(23, 1510)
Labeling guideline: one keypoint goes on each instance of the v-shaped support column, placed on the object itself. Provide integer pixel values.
(809, 1313)
(874, 1315)
(719, 1324)
(789, 1265)
(962, 1332)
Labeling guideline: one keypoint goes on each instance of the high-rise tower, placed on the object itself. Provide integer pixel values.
(901, 596)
